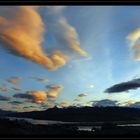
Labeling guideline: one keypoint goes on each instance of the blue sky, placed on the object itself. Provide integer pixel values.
(102, 33)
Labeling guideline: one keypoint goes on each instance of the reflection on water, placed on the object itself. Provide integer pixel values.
(129, 125)
(89, 128)
(80, 128)
(85, 128)
(33, 121)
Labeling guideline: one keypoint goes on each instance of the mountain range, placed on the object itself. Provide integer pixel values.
(83, 114)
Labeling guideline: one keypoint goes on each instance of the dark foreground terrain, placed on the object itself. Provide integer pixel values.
(108, 119)
(18, 128)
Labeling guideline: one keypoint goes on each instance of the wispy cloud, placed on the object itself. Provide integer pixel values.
(104, 103)
(40, 79)
(64, 33)
(70, 37)
(16, 103)
(23, 37)
(63, 104)
(4, 88)
(135, 43)
(14, 80)
(4, 98)
(16, 88)
(126, 103)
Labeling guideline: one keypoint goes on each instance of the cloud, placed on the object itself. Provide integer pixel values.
(104, 103)
(77, 100)
(4, 98)
(22, 35)
(69, 36)
(77, 104)
(126, 103)
(135, 43)
(135, 105)
(130, 103)
(38, 97)
(63, 104)
(80, 96)
(3, 88)
(40, 79)
(46, 106)
(124, 86)
(16, 88)
(23, 95)
(54, 90)
(58, 58)
(41, 97)
(15, 102)
(64, 33)
(83, 95)
(14, 80)
(55, 10)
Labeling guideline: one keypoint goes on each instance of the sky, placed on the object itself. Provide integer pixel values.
(67, 55)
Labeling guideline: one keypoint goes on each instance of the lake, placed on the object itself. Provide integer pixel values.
(80, 127)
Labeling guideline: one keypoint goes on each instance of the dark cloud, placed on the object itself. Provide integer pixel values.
(4, 98)
(15, 102)
(77, 100)
(23, 95)
(40, 79)
(82, 95)
(77, 105)
(124, 86)
(104, 103)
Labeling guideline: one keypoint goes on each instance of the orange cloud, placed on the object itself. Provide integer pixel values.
(63, 104)
(59, 58)
(64, 33)
(135, 43)
(22, 35)
(14, 80)
(53, 90)
(126, 103)
(38, 96)
(70, 37)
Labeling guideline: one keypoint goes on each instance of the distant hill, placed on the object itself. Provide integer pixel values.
(84, 114)
(5, 112)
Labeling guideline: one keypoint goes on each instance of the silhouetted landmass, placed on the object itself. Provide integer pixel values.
(111, 117)
(84, 114)
(5, 112)
(22, 128)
